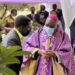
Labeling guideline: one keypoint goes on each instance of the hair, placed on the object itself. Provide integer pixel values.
(13, 10)
(54, 6)
(22, 21)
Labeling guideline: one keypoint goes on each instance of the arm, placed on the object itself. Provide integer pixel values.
(12, 42)
(30, 45)
(6, 26)
(64, 52)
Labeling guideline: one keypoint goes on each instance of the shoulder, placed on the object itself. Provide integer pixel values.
(59, 11)
(37, 13)
(39, 30)
(12, 35)
(11, 39)
(7, 17)
(64, 35)
(36, 33)
(47, 12)
(29, 15)
(59, 31)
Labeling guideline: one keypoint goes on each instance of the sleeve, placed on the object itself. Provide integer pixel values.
(12, 42)
(64, 52)
(30, 45)
(47, 13)
(5, 22)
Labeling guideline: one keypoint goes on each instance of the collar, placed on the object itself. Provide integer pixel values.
(19, 34)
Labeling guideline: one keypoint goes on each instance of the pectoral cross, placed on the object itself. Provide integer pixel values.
(47, 44)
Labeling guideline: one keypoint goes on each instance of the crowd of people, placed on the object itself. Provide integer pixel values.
(47, 41)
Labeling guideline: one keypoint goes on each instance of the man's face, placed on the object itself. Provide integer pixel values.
(14, 13)
(26, 30)
(52, 23)
(42, 7)
(32, 10)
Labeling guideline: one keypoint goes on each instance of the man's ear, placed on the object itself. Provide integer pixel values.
(20, 28)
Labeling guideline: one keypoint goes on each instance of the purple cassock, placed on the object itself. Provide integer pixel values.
(59, 43)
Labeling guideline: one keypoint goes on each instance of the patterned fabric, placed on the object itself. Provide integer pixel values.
(59, 43)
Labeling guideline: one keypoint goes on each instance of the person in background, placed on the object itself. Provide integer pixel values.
(59, 14)
(32, 15)
(41, 15)
(50, 42)
(9, 21)
(15, 37)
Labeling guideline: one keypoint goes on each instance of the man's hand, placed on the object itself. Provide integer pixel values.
(50, 53)
(46, 53)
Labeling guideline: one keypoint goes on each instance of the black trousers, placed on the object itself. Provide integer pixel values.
(16, 67)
